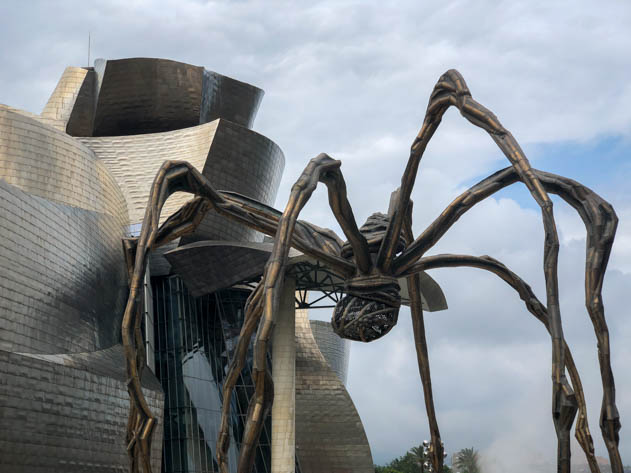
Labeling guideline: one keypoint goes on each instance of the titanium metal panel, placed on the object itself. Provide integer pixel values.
(61, 103)
(336, 350)
(146, 95)
(68, 414)
(81, 120)
(208, 266)
(48, 163)
(329, 434)
(245, 162)
(135, 160)
(230, 156)
(230, 99)
(62, 218)
(64, 285)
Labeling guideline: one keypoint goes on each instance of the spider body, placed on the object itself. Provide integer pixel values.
(370, 308)
(372, 261)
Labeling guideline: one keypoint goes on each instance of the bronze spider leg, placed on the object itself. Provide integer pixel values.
(451, 89)
(418, 326)
(324, 169)
(172, 177)
(319, 243)
(253, 312)
(600, 221)
(536, 308)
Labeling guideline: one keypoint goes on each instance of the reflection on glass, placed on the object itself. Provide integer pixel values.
(195, 341)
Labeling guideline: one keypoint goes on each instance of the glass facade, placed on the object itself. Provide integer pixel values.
(195, 339)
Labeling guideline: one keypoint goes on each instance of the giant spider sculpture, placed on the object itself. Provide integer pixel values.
(370, 262)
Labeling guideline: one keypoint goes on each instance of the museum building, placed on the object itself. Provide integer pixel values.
(74, 181)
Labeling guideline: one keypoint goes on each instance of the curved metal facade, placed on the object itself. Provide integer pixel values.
(64, 281)
(68, 413)
(63, 396)
(60, 105)
(329, 432)
(231, 157)
(336, 350)
(147, 95)
(45, 162)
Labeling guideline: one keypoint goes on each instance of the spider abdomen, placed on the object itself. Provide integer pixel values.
(365, 315)
(363, 320)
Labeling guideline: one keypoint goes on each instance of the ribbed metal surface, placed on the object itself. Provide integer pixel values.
(230, 156)
(48, 163)
(59, 107)
(135, 160)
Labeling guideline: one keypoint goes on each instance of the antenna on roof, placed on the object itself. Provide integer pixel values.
(89, 48)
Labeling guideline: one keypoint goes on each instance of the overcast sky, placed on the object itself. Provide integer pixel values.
(352, 79)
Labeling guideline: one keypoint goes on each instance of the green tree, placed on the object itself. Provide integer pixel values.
(411, 462)
(419, 456)
(467, 461)
(385, 469)
(406, 464)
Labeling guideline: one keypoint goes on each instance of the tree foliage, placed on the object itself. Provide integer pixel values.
(411, 462)
(467, 461)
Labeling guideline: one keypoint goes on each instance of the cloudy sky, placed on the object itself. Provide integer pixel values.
(352, 79)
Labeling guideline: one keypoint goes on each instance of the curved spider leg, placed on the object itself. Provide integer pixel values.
(320, 243)
(536, 308)
(321, 168)
(170, 178)
(451, 89)
(436, 450)
(253, 312)
(600, 221)
(173, 176)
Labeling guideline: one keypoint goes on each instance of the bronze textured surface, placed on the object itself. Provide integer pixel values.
(383, 251)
